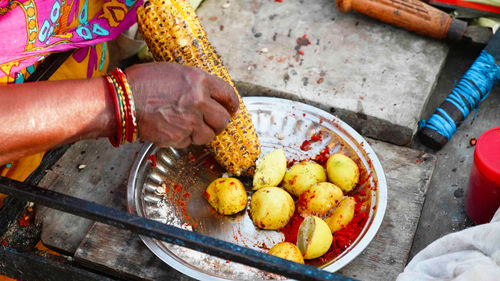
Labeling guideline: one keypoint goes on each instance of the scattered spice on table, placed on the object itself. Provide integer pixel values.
(303, 41)
(24, 220)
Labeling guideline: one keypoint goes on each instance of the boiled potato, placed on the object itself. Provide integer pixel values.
(319, 198)
(342, 171)
(226, 195)
(302, 175)
(342, 215)
(287, 250)
(271, 208)
(270, 170)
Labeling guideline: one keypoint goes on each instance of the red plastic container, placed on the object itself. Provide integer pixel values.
(483, 194)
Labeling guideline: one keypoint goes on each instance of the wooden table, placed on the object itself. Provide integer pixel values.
(95, 171)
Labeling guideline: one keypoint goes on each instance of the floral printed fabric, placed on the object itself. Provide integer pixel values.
(32, 29)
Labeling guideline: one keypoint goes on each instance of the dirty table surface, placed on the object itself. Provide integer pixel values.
(121, 253)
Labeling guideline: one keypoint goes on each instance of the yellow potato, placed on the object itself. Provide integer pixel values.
(302, 175)
(342, 215)
(319, 198)
(270, 170)
(287, 250)
(271, 208)
(342, 171)
(314, 237)
(226, 195)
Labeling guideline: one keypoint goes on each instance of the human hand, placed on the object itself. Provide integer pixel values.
(179, 105)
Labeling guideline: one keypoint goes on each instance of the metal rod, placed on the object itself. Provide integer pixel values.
(165, 232)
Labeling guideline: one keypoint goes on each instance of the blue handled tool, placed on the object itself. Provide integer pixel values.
(473, 88)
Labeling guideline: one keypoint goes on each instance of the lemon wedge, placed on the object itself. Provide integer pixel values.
(314, 237)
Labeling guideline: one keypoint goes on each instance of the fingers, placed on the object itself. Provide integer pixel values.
(183, 143)
(223, 93)
(202, 135)
(216, 116)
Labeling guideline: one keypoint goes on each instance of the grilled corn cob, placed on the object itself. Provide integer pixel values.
(173, 32)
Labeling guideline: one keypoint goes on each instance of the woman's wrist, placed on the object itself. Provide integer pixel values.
(102, 110)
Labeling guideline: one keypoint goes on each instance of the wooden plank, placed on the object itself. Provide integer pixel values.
(123, 254)
(103, 180)
(28, 266)
(408, 175)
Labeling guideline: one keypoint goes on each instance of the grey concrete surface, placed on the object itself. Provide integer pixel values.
(443, 210)
(374, 76)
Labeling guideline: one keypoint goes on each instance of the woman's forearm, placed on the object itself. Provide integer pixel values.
(37, 116)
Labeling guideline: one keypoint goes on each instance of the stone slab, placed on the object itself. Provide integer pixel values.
(374, 76)
(408, 174)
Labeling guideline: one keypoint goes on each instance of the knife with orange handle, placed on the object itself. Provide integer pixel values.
(418, 17)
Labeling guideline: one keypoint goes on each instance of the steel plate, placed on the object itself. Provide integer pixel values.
(172, 191)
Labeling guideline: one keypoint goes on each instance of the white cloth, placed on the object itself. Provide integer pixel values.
(470, 254)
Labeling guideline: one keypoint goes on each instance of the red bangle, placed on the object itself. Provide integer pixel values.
(131, 124)
(123, 111)
(115, 140)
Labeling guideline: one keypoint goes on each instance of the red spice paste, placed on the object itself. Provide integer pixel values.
(344, 237)
(152, 159)
(306, 145)
(291, 229)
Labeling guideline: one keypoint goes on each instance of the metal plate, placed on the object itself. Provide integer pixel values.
(186, 173)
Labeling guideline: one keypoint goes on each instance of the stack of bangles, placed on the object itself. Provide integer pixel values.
(124, 108)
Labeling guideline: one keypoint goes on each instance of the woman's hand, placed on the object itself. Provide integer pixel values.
(179, 105)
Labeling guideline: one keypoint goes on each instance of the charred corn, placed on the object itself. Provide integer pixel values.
(173, 33)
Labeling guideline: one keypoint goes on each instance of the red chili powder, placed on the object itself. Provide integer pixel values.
(303, 41)
(191, 157)
(306, 145)
(152, 158)
(344, 237)
(322, 157)
(209, 162)
(292, 228)
(24, 220)
(178, 188)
